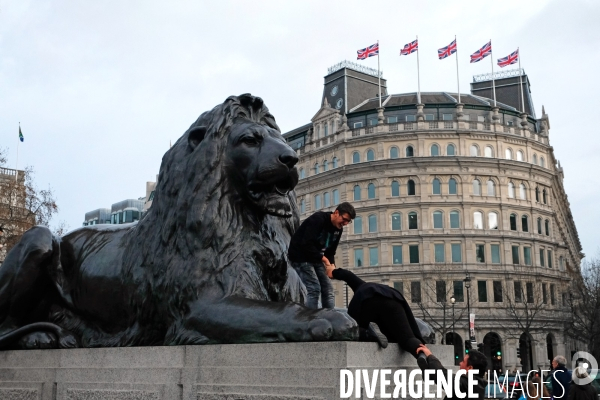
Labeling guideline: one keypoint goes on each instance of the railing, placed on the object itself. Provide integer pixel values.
(433, 125)
(448, 125)
(487, 126)
(392, 127)
(371, 129)
(472, 125)
(8, 171)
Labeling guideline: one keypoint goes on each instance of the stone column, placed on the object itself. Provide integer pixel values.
(462, 124)
(495, 119)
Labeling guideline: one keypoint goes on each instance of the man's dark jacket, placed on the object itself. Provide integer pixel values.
(563, 376)
(582, 392)
(479, 390)
(316, 237)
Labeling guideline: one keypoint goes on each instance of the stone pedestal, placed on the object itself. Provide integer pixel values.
(274, 371)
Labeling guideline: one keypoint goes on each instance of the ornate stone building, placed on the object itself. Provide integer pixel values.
(458, 201)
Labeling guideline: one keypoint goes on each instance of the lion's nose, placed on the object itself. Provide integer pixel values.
(289, 158)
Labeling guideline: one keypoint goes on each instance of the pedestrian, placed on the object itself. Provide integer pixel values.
(313, 247)
(561, 378)
(580, 390)
(381, 313)
(474, 360)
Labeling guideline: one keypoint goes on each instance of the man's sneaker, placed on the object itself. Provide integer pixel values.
(422, 361)
(375, 333)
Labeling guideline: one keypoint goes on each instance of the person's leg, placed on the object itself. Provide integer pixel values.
(307, 274)
(327, 295)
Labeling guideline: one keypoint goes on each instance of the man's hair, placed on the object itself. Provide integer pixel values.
(346, 208)
(560, 360)
(478, 361)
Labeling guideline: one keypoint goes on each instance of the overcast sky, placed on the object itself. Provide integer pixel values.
(102, 87)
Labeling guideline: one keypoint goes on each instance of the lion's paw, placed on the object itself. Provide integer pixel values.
(341, 325)
(38, 340)
(67, 340)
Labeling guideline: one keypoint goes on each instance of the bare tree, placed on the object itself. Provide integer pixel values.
(527, 306)
(584, 306)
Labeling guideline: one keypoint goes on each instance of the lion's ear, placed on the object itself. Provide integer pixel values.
(196, 135)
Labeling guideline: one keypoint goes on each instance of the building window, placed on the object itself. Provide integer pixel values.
(371, 191)
(513, 222)
(511, 190)
(492, 220)
(508, 154)
(435, 150)
(527, 255)
(413, 222)
(429, 117)
(396, 254)
(302, 174)
(518, 292)
(302, 206)
(396, 222)
(359, 259)
(317, 168)
(413, 253)
(356, 193)
(399, 286)
(335, 162)
(440, 291)
(480, 253)
(482, 291)
(495, 253)
(497, 291)
(410, 187)
(474, 151)
(542, 162)
(336, 197)
(358, 125)
(539, 226)
(524, 223)
(436, 186)
(392, 120)
(459, 294)
(440, 254)
(537, 194)
(476, 188)
(515, 254)
(454, 220)
(411, 118)
(358, 225)
(355, 157)
(491, 188)
(372, 223)
(452, 186)
(394, 152)
(325, 165)
(326, 130)
(553, 294)
(519, 155)
(522, 192)
(415, 292)
(549, 258)
(456, 252)
(545, 196)
(529, 290)
(544, 293)
(438, 220)
(395, 189)
(547, 226)
(370, 155)
(326, 199)
(488, 151)
(450, 150)
(373, 256)
(535, 159)
(317, 202)
(447, 117)
(409, 151)
(477, 220)
(542, 263)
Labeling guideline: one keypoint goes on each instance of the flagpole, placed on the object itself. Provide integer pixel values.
(520, 80)
(378, 74)
(457, 79)
(493, 83)
(418, 75)
(17, 163)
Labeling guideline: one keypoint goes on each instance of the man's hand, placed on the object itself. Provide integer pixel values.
(329, 270)
(423, 349)
(325, 261)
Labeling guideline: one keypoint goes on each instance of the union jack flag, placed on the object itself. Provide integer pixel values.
(512, 58)
(447, 51)
(410, 48)
(370, 51)
(480, 54)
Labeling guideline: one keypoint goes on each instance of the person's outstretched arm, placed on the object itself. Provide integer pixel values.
(344, 275)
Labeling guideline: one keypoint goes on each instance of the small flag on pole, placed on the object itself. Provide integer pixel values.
(21, 138)
(480, 54)
(410, 48)
(512, 58)
(447, 51)
(370, 51)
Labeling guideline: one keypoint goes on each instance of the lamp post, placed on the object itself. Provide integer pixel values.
(467, 282)
(452, 300)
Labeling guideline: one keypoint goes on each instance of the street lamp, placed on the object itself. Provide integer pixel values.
(452, 300)
(467, 282)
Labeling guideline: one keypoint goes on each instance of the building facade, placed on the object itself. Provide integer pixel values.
(460, 206)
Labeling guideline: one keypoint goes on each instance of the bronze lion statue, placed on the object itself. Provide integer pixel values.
(206, 264)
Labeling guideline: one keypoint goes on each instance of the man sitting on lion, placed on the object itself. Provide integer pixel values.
(206, 264)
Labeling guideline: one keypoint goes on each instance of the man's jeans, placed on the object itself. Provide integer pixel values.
(317, 283)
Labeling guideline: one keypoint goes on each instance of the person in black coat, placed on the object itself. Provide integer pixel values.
(381, 310)
(580, 390)
(561, 378)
